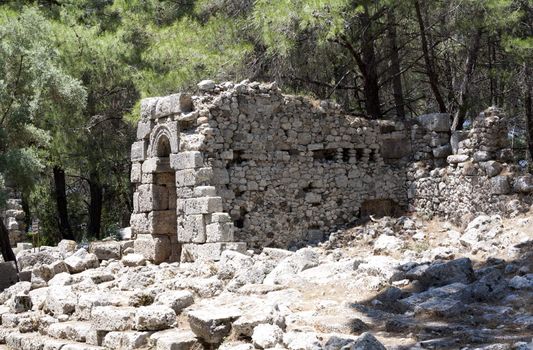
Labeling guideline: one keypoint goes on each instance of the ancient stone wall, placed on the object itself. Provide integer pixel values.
(244, 164)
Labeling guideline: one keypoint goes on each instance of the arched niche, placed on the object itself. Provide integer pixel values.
(163, 140)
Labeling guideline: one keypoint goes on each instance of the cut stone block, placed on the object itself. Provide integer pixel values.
(172, 104)
(213, 324)
(205, 191)
(193, 177)
(139, 223)
(219, 232)
(154, 248)
(162, 222)
(177, 300)
(138, 151)
(220, 217)
(106, 250)
(143, 129)
(154, 318)
(126, 340)
(186, 160)
(205, 205)
(112, 318)
(174, 339)
(136, 173)
(192, 229)
(152, 197)
(156, 165)
(148, 107)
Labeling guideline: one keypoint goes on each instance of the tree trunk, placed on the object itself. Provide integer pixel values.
(397, 90)
(368, 66)
(95, 206)
(5, 247)
(61, 202)
(470, 64)
(430, 69)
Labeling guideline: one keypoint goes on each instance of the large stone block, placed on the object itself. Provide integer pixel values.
(136, 173)
(156, 165)
(144, 127)
(395, 148)
(111, 318)
(138, 151)
(148, 107)
(439, 122)
(106, 250)
(205, 205)
(154, 248)
(172, 104)
(219, 232)
(193, 177)
(8, 275)
(186, 160)
(139, 223)
(212, 325)
(192, 229)
(162, 222)
(152, 197)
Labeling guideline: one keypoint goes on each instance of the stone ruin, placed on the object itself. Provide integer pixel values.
(243, 165)
(13, 217)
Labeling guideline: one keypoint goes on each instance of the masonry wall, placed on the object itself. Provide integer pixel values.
(13, 217)
(244, 166)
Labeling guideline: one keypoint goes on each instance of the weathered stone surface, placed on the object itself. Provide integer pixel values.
(206, 85)
(154, 248)
(457, 158)
(112, 318)
(500, 185)
(366, 341)
(133, 260)
(267, 336)
(174, 339)
(81, 260)
(524, 184)
(128, 340)
(172, 104)
(213, 324)
(154, 318)
(176, 300)
(106, 250)
(60, 300)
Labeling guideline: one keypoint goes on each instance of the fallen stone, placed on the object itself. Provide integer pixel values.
(176, 300)
(112, 318)
(133, 260)
(174, 339)
(266, 336)
(154, 318)
(81, 261)
(212, 324)
(60, 300)
(128, 340)
(443, 273)
(106, 250)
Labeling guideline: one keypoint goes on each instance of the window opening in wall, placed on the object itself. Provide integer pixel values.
(324, 155)
(239, 221)
(372, 156)
(359, 153)
(346, 155)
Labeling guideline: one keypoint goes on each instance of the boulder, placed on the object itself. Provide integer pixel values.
(443, 273)
(67, 247)
(81, 261)
(303, 259)
(266, 336)
(500, 185)
(491, 286)
(125, 340)
(28, 260)
(522, 282)
(492, 168)
(523, 184)
(386, 243)
(212, 324)
(457, 158)
(206, 85)
(154, 318)
(301, 341)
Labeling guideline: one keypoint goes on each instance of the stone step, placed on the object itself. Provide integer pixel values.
(77, 331)
(36, 341)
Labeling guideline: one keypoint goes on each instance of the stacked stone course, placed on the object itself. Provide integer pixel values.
(13, 218)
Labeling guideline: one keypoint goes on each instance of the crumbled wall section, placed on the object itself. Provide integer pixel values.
(469, 172)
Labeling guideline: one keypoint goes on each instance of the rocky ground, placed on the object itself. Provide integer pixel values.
(392, 283)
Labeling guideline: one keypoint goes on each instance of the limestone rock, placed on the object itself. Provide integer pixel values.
(176, 300)
(81, 261)
(133, 260)
(112, 318)
(267, 336)
(443, 273)
(60, 300)
(212, 324)
(106, 250)
(366, 341)
(206, 85)
(154, 318)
